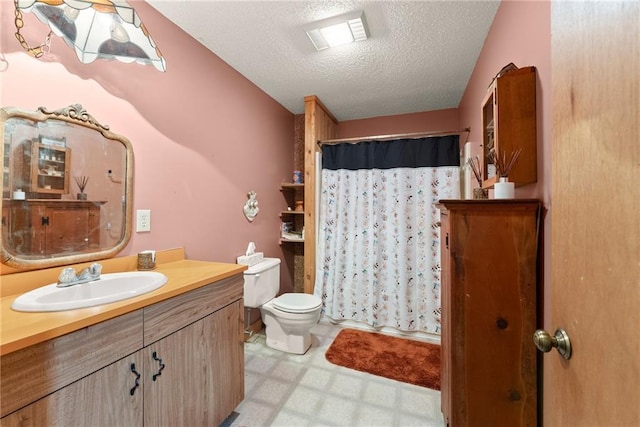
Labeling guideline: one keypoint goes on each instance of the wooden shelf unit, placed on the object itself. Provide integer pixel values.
(509, 122)
(46, 169)
(292, 193)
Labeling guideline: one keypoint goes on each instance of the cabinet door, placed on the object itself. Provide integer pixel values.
(509, 123)
(104, 398)
(195, 376)
(37, 371)
(67, 229)
(490, 310)
(227, 355)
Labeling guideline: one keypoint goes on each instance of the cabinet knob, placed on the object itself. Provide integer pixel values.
(559, 340)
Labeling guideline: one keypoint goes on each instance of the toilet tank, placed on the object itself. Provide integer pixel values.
(261, 282)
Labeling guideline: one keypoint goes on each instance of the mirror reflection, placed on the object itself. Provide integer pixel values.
(66, 188)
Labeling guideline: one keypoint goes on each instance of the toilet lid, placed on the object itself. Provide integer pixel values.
(297, 302)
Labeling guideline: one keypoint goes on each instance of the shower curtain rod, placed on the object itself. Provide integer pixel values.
(394, 136)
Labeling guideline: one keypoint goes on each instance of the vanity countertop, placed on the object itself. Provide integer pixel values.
(19, 330)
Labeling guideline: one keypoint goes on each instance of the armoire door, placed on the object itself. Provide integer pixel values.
(67, 230)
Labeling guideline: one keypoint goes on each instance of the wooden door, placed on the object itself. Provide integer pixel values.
(595, 215)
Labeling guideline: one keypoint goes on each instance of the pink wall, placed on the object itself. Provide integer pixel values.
(428, 121)
(203, 135)
(521, 33)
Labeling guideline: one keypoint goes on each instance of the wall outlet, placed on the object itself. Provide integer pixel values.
(143, 220)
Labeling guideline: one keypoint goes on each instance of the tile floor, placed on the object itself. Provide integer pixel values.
(290, 390)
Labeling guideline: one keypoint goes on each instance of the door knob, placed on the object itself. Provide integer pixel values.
(559, 340)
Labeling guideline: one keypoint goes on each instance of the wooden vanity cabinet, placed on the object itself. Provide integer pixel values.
(489, 279)
(177, 362)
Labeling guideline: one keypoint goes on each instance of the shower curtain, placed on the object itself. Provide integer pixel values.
(378, 254)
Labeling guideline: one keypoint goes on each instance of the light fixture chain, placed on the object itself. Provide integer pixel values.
(37, 51)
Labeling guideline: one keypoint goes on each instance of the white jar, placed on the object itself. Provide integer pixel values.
(504, 189)
(19, 195)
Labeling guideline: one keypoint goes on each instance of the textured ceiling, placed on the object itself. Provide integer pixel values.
(419, 56)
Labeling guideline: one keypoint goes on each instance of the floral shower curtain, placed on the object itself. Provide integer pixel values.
(378, 256)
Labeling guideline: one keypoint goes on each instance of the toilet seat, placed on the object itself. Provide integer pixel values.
(297, 303)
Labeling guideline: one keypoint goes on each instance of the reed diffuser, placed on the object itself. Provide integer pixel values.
(504, 163)
(81, 182)
(474, 164)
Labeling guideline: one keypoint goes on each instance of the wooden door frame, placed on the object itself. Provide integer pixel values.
(319, 125)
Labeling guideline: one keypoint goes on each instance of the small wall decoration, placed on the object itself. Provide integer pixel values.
(251, 207)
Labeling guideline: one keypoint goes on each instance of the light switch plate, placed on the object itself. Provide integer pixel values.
(143, 220)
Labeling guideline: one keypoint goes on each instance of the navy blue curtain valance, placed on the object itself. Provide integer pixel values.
(432, 151)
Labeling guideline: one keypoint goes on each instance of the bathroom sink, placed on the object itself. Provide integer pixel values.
(110, 287)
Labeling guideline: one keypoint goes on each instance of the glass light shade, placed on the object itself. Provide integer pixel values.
(337, 30)
(337, 35)
(106, 29)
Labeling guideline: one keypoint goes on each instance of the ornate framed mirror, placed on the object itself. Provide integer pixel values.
(67, 188)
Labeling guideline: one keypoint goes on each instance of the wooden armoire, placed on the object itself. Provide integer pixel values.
(489, 263)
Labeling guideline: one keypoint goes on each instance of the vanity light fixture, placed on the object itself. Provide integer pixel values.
(106, 29)
(338, 30)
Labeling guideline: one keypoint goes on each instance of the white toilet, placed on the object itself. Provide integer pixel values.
(289, 317)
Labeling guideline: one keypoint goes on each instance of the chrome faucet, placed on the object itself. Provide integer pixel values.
(68, 276)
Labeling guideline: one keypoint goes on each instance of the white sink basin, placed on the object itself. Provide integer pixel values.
(110, 287)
